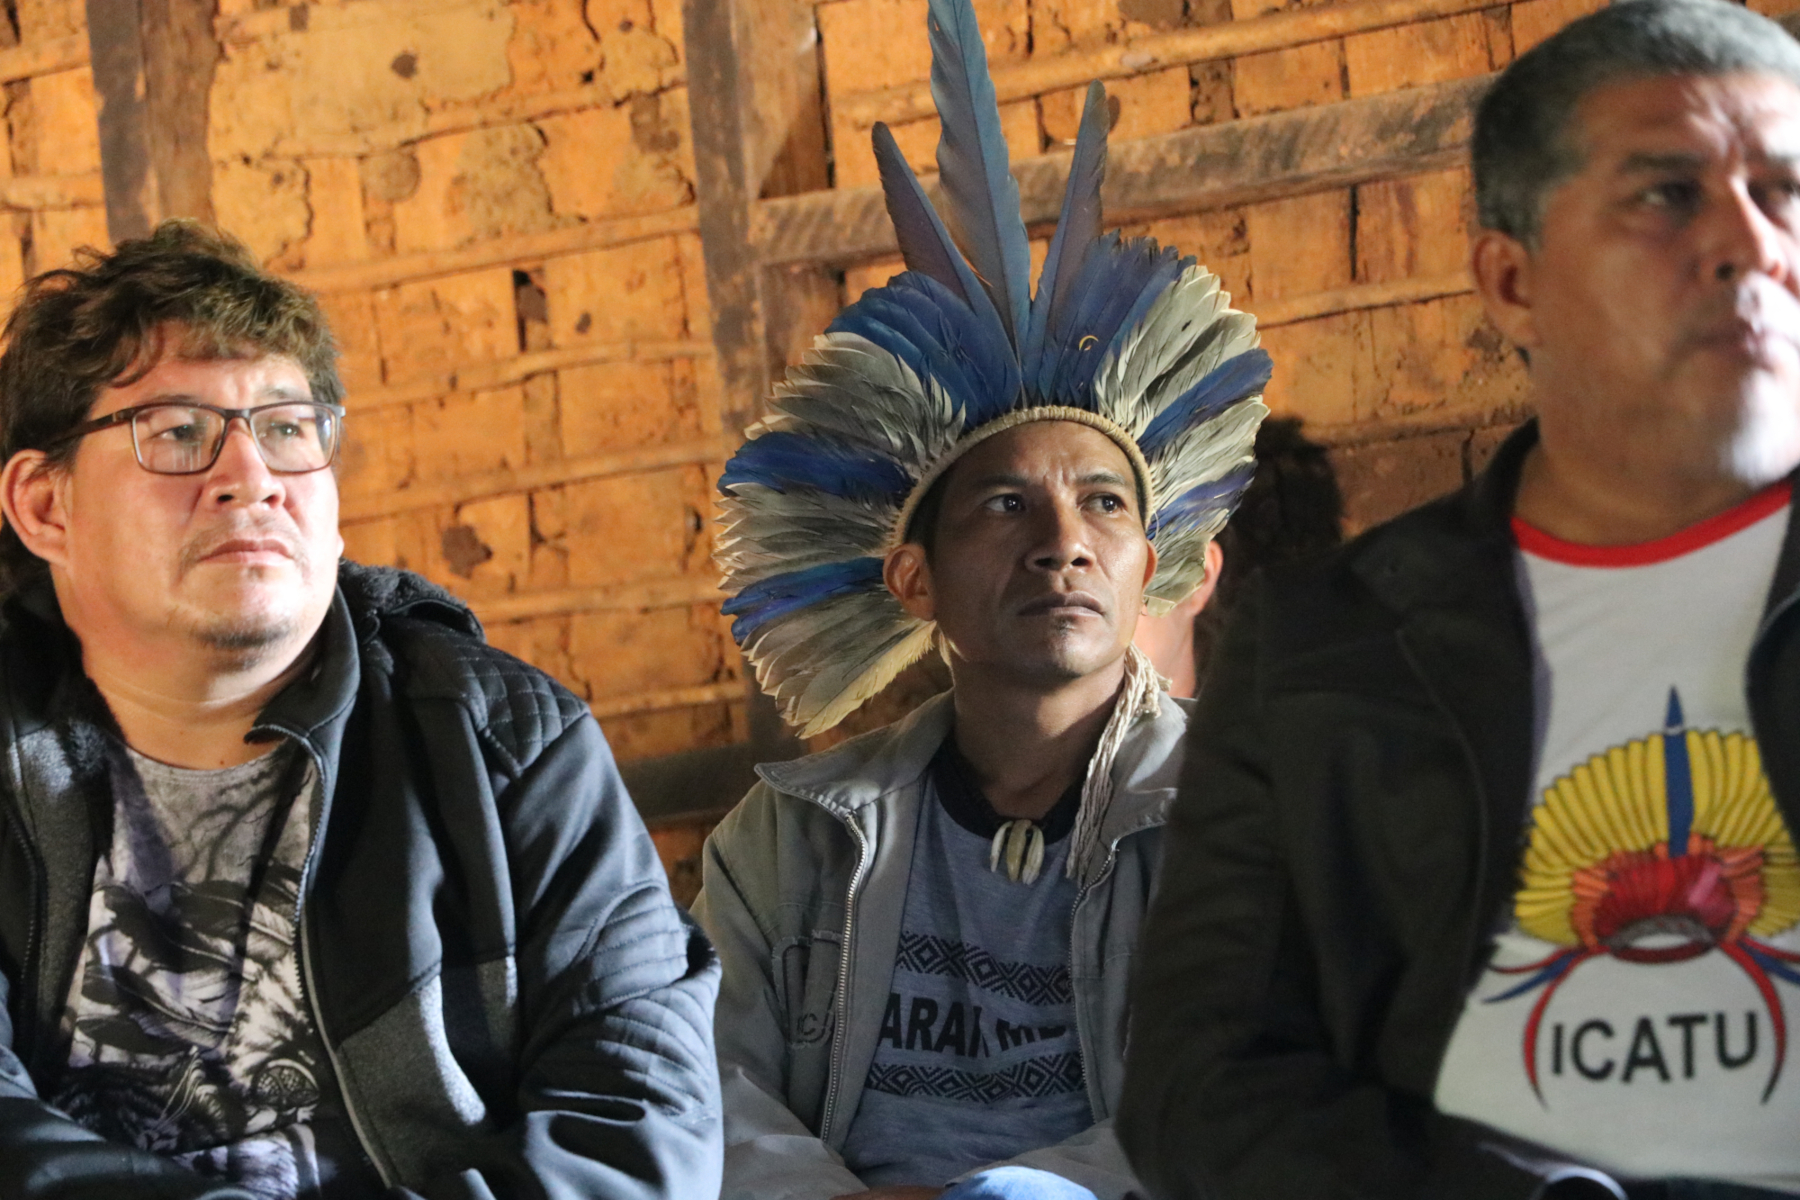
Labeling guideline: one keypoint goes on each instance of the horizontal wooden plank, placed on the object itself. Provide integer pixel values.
(1334, 145)
(390, 503)
(683, 591)
(36, 192)
(482, 376)
(506, 110)
(1359, 296)
(43, 58)
(1255, 35)
(498, 252)
(666, 698)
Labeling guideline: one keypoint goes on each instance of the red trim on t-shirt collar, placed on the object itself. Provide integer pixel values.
(1771, 499)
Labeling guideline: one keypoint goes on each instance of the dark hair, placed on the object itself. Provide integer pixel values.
(1523, 144)
(185, 290)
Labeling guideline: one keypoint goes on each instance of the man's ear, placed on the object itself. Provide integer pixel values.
(1502, 267)
(31, 495)
(908, 577)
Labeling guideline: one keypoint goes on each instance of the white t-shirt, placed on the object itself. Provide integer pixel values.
(1636, 1013)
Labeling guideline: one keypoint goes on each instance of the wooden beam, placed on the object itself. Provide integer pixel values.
(478, 377)
(153, 64)
(356, 508)
(43, 58)
(500, 252)
(1256, 35)
(1357, 297)
(33, 193)
(1310, 149)
(682, 591)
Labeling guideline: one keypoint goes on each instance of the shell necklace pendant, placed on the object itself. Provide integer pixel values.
(1020, 843)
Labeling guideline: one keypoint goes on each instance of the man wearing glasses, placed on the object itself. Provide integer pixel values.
(304, 891)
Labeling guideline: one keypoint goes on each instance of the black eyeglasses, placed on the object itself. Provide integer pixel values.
(169, 438)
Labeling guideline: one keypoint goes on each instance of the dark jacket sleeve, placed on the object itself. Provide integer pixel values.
(618, 1093)
(1238, 1085)
(46, 1156)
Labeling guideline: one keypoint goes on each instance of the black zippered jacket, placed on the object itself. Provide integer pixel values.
(1346, 839)
(512, 1004)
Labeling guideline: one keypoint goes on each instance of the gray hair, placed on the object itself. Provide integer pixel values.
(1523, 145)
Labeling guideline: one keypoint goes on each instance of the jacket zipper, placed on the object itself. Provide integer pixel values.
(306, 968)
(1081, 1050)
(843, 986)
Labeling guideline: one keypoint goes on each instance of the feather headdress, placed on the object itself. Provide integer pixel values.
(1122, 335)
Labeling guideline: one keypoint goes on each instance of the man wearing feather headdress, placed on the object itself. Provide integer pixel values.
(1489, 884)
(927, 931)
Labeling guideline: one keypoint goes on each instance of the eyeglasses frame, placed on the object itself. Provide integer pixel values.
(126, 415)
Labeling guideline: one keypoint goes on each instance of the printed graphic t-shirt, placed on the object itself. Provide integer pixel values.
(190, 1036)
(1635, 1013)
(978, 1059)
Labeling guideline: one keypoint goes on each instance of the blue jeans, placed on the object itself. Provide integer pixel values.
(1017, 1183)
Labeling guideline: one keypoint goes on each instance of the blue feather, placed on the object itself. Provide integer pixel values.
(924, 241)
(973, 166)
(1076, 231)
(779, 595)
(975, 340)
(1230, 381)
(886, 319)
(783, 460)
(1118, 280)
(1198, 502)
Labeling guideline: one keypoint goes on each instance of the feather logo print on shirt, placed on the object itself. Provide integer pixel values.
(1658, 851)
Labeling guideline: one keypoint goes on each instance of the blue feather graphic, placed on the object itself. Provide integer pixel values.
(1076, 231)
(973, 163)
(787, 460)
(1230, 381)
(780, 595)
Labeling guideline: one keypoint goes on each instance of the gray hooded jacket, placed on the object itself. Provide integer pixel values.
(804, 885)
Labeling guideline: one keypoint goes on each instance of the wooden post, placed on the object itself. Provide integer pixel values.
(153, 63)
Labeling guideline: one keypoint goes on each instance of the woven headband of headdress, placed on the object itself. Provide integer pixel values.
(1123, 336)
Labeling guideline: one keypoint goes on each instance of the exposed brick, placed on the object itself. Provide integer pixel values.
(41, 20)
(264, 205)
(549, 540)
(337, 233)
(1425, 52)
(607, 162)
(616, 653)
(649, 735)
(1285, 79)
(1535, 20)
(377, 456)
(430, 328)
(1324, 369)
(1442, 357)
(615, 406)
(854, 158)
(1160, 102)
(863, 276)
(1383, 480)
(475, 186)
(552, 48)
(65, 125)
(1411, 227)
(57, 232)
(502, 528)
(616, 294)
(371, 542)
(636, 527)
(1299, 246)
(352, 319)
(470, 433)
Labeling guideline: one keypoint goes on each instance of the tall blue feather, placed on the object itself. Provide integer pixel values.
(924, 241)
(1076, 230)
(787, 460)
(775, 597)
(1117, 281)
(1232, 380)
(973, 165)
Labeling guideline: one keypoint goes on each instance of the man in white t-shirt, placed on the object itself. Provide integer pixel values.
(1489, 883)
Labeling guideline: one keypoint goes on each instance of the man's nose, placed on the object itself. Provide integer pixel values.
(1741, 238)
(1061, 540)
(240, 476)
